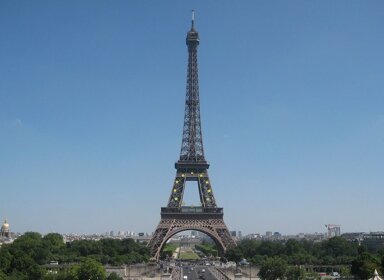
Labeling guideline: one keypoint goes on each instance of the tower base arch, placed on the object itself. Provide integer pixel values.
(173, 221)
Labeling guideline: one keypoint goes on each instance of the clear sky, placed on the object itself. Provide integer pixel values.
(92, 102)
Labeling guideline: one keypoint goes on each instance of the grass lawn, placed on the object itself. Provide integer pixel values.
(188, 255)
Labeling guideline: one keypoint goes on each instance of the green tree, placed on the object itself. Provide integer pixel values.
(338, 246)
(208, 249)
(25, 257)
(292, 247)
(234, 254)
(258, 260)
(55, 243)
(313, 275)
(17, 275)
(5, 259)
(345, 271)
(91, 270)
(3, 276)
(68, 274)
(382, 264)
(329, 252)
(295, 273)
(271, 248)
(114, 276)
(273, 268)
(364, 265)
(167, 251)
(35, 272)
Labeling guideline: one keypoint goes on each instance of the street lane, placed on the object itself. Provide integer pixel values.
(197, 273)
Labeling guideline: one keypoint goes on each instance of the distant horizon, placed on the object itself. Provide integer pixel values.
(262, 233)
(92, 103)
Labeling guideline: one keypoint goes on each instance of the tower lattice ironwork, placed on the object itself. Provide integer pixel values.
(191, 166)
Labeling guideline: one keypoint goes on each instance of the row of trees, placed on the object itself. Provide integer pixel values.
(283, 259)
(334, 251)
(276, 268)
(273, 268)
(168, 251)
(28, 255)
(209, 249)
(89, 269)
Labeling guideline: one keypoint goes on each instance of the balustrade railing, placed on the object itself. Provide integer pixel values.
(219, 274)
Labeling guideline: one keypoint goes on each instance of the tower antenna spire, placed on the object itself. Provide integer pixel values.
(193, 19)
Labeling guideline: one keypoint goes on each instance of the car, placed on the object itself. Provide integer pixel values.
(243, 262)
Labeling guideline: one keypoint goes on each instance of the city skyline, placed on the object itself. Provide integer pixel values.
(92, 99)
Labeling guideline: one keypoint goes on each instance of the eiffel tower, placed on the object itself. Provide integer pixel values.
(191, 166)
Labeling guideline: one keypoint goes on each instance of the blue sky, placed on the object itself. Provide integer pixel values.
(92, 99)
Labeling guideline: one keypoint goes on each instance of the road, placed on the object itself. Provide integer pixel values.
(197, 273)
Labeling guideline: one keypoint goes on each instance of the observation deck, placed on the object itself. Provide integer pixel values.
(195, 211)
